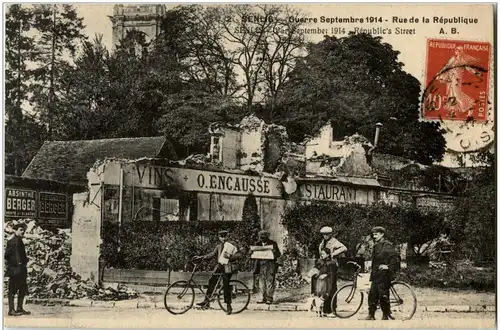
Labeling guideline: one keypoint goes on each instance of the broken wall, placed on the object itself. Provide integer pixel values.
(231, 145)
(271, 211)
(86, 230)
(321, 144)
(252, 139)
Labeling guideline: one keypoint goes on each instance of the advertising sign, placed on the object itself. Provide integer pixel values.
(149, 176)
(52, 206)
(20, 203)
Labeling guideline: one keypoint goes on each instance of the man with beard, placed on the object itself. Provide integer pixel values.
(267, 268)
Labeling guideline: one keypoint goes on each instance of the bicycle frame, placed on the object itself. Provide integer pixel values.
(192, 282)
(394, 298)
(398, 300)
(354, 282)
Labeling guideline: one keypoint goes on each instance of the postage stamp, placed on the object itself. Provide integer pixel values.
(456, 80)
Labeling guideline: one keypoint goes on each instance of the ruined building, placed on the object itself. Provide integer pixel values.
(140, 17)
(140, 180)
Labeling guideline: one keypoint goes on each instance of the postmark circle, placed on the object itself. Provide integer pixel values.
(449, 79)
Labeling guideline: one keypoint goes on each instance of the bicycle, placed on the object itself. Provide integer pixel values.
(183, 290)
(350, 298)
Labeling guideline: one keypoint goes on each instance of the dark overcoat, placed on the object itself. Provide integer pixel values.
(276, 254)
(326, 285)
(15, 258)
(383, 253)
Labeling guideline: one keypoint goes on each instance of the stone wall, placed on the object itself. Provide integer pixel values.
(86, 235)
(251, 144)
(231, 148)
(270, 214)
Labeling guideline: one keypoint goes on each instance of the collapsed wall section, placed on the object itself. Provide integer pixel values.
(86, 228)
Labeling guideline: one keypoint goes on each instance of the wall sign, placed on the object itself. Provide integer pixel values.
(206, 181)
(52, 206)
(49, 208)
(327, 192)
(20, 203)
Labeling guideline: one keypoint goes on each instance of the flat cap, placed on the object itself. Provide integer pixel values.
(264, 233)
(16, 226)
(223, 232)
(378, 229)
(326, 230)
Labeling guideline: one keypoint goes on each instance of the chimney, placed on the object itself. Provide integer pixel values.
(377, 133)
(369, 154)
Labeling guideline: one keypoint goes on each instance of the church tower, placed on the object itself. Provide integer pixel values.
(140, 17)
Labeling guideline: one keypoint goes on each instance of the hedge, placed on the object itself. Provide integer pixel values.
(167, 245)
(170, 245)
(353, 222)
(450, 278)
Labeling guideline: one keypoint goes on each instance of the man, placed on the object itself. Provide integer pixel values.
(220, 270)
(336, 248)
(267, 268)
(384, 263)
(16, 261)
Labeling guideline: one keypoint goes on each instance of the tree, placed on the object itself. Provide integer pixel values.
(250, 218)
(194, 35)
(60, 30)
(140, 83)
(280, 52)
(87, 99)
(264, 44)
(473, 222)
(188, 114)
(20, 48)
(22, 142)
(355, 82)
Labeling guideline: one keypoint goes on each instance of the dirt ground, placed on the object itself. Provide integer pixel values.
(425, 296)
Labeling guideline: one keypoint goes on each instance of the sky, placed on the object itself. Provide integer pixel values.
(411, 46)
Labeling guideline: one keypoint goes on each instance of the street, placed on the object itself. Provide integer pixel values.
(81, 317)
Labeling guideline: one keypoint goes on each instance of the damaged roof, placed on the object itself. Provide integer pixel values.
(357, 181)
(70, 161)
(385, 164)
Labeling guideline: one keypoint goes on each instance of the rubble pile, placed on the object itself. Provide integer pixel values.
(288, 278)
(49, 271)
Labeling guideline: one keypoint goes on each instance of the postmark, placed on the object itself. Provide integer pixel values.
(456, 80)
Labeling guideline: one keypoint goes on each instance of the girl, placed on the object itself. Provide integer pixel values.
(326, 284)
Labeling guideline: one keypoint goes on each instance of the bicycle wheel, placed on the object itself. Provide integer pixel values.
(349, 300)
(403, 301)
(179, 297)
(240, 296)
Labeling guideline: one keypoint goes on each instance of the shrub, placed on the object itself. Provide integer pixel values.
(473, 221)
(467, 278)
(168, 245)
(352, 222)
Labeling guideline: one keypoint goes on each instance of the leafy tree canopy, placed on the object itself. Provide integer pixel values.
(355, 82)
(473, 222)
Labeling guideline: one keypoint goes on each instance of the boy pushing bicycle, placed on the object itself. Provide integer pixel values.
(227, 253)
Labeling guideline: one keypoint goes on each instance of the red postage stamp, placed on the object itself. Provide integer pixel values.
(456, 80)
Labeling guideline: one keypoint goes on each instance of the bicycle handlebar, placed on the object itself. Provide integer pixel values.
(355, 264)
(196, 260)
